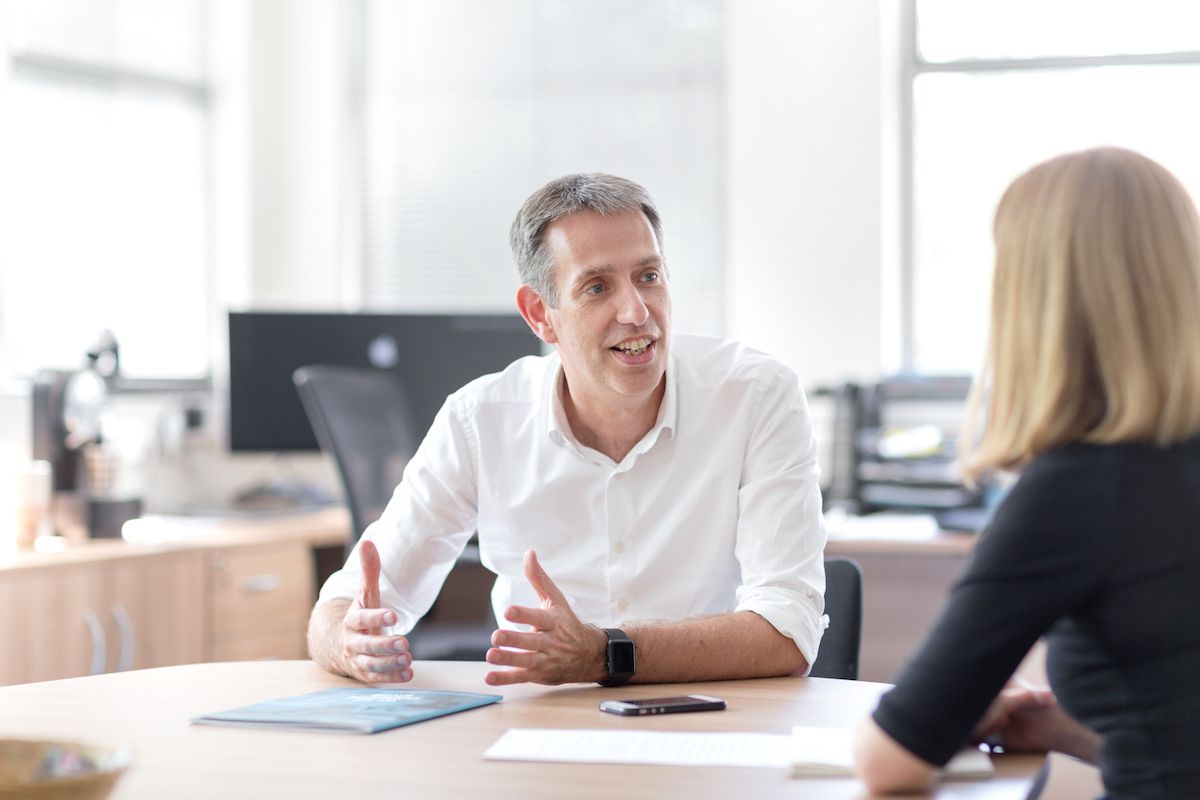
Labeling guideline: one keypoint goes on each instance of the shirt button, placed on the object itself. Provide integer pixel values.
(619, 547)
(622, 605)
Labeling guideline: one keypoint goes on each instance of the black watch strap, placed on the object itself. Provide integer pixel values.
(620, 658)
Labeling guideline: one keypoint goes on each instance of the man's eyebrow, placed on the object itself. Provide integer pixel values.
(600, 269)
(605, 269)
(589, 273)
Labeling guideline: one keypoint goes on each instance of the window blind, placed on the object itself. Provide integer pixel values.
(471, 105)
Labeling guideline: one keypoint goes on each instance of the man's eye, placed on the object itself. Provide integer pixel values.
(650, 277)
(595, 288)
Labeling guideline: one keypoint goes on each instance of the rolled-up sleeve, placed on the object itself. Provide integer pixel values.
(781, 532)
(424, 527)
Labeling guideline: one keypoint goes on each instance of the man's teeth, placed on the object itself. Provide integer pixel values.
(635, 347)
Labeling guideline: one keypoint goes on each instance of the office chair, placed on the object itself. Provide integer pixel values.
(838, 656)
(361, 417)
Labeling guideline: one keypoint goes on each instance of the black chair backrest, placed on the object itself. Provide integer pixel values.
(838, 656)
(361, 417)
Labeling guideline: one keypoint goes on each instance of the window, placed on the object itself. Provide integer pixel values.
(999, 85)
(103, 205)
(470, 105)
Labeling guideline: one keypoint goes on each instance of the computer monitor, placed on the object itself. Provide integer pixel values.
(433, 355)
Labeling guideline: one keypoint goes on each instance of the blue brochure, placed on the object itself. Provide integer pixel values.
(350, 710)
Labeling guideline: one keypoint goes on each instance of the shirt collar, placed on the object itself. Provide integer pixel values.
(668, 410)
(556, 416)
(559, 430)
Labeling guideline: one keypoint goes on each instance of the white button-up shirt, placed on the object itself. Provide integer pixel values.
(716, 509)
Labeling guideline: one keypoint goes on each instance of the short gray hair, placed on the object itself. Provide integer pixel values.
(593, 191)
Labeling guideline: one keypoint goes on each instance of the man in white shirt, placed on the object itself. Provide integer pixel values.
(668, 483)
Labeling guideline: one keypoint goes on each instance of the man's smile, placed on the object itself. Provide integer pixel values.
(635, 350)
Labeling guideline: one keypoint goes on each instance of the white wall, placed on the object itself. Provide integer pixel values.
(284, 221)
(811, 93)
(812, 259)
(302, 216)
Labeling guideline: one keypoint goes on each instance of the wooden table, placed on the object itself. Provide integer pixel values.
(150, 709)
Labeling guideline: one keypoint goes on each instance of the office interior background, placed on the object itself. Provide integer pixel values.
(826, 172)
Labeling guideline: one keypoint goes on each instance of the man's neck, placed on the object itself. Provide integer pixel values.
(614, 426)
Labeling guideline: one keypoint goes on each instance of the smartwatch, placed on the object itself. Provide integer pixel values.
(620, 657)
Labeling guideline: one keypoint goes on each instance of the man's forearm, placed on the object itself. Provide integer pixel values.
(324, 634)
(737, 645)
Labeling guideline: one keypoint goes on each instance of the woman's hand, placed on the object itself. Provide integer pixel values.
(1026, 719)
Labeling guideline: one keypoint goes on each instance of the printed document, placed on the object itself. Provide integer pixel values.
(809, 751)
(643, 747)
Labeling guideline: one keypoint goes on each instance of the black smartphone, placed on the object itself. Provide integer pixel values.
(663, 705)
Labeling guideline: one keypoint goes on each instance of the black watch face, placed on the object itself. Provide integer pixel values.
(620, 658)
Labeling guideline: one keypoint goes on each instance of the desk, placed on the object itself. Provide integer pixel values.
(202, 590)
(322, 528)
(905, 581)
(441, 758)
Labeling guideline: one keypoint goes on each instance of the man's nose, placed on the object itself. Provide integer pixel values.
(631, 307)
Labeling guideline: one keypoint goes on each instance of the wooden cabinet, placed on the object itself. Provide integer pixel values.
(80, 618)
(259, 598)
(45, 631)
(902, 595)
(236, 590)
(158, 599)
(18, 639)
(905, 582)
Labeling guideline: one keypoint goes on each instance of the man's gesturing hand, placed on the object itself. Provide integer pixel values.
(367, 654)
(559, 649)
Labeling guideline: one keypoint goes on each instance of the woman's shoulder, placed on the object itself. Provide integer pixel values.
(1099, 459)
(1070, 488)
(1075, 460)
(1087, 486)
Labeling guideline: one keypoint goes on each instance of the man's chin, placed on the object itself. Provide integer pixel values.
(641, 379)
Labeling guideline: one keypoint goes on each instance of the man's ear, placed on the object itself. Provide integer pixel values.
(536, 313)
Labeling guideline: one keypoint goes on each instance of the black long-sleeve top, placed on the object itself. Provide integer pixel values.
(1098, 548)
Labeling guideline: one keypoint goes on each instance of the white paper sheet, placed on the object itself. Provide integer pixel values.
(644, 747)
(830, 751)
(808, 751)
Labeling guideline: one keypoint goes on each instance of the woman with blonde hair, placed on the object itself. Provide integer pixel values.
(1091, 392)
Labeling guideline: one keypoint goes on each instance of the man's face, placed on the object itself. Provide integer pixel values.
(614, 306)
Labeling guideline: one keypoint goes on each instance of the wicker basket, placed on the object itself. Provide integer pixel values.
(59, 770)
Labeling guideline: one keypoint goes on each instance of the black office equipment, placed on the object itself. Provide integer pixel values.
(895, 448)
(838, 656)
(432, 354)
(361, 418)
(50, 432)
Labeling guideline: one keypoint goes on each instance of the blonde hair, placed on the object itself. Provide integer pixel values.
(1095, 326)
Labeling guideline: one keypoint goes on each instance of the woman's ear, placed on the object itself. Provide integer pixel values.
(536, 313)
